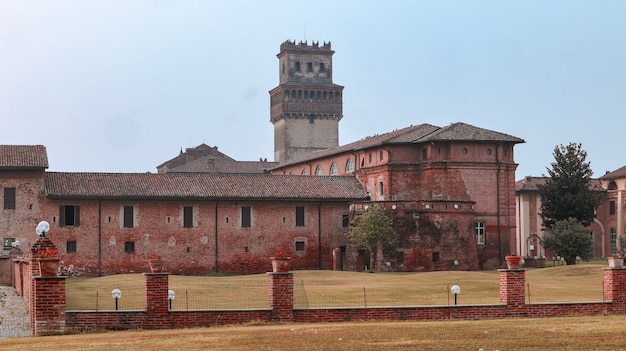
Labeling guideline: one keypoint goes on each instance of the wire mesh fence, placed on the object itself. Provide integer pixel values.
(251, 292)
(219, 293)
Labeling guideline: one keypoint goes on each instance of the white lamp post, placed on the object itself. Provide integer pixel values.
(456, 290)
(171, 295)
(116, 294)
(42, 228)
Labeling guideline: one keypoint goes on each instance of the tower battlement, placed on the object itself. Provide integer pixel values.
(304, 46)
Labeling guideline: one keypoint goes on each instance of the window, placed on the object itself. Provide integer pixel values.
(309, 67)
(299, 245)
(591, 236)
(370, 157)
(70, 246)
(480, 233)
(424, 153)
(297, 66)
(464, 151)
(322, 67)
(612, 207)
(318, 171)
(246, 216)
(129, 214)
(380, 155)
(345, 221)
(299, 216)
(9, 198)
(613, 234)
(187, 216)
(311, 118)
(333, 169)
(349, 165)
(381, 188)
(69, 215)
(129, 247)
(304, 172)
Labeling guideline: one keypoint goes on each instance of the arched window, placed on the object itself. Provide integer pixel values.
(612, 185)
(304, 172)
(349, 166)
(318, 171)
(333, 169)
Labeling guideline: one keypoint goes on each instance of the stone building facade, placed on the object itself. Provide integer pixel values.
(605, 231)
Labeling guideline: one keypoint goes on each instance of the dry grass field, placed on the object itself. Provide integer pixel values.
(602, 333)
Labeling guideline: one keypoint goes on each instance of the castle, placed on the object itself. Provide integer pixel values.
(449, 190)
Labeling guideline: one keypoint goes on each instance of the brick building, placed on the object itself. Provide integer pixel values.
(450, 191)
(605, 231)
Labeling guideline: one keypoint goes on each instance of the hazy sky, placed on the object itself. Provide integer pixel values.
(121, 86)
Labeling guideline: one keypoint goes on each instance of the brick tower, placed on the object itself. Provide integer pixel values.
(306, 106)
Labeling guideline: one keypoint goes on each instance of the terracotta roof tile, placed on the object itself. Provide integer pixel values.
(616, 174)
(416, 134)
(23, 157)
(532, 184)
(210, 164)
(204, 186)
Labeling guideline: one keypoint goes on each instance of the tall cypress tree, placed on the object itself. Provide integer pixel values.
(566, 193)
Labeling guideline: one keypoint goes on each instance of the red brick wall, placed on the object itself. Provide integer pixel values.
(217, 236)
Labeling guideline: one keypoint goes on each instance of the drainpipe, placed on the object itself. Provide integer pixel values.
(498, 204)
(319, 234)
(216, 237)
(100, 238)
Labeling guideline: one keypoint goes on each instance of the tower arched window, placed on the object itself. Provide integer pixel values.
(349, 166)
(304, 172)
(318, 171)
(333, 169)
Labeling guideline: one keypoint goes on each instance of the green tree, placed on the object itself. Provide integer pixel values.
(374, 231)
(566, 193)
(569, 238)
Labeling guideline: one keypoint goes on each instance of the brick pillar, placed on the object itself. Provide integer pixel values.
(47, 310)
(512, 288)
(281, 296)
(46, 295)
(156, 303)
(615, 288)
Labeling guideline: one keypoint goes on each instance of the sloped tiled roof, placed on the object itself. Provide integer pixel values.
(416, 134)
(616, 174)
(23, 157)
(532, 184)
(210, 164)
(204, 186)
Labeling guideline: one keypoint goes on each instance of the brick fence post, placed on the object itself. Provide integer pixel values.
(281, 296)
(156, 303)
(46, 297)
(512, 289)
(615, 288)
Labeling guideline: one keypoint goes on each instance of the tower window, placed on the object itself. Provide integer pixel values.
(381, 188)
(318, 171)
(322, 67)
(311, 118)
(612, 207)
(297, 66)
(309, 67)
